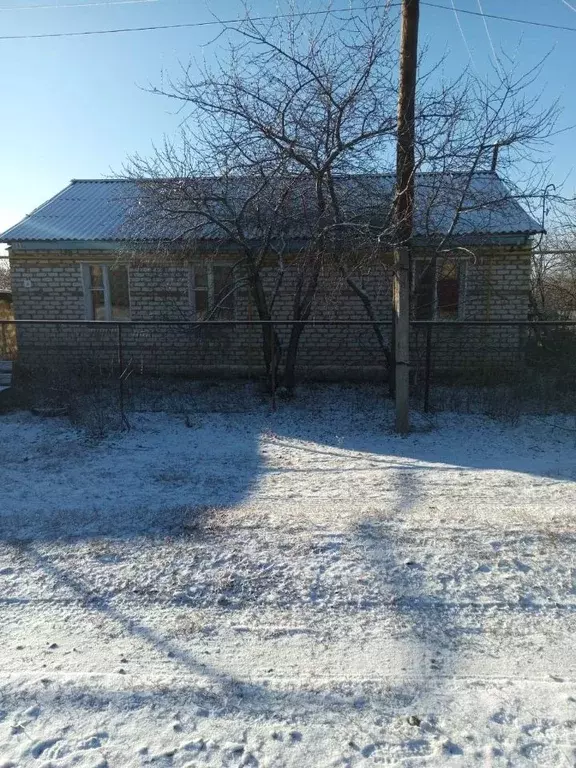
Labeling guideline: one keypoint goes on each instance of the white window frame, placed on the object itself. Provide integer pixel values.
(209, 267)
(88, 290)
(462, 285)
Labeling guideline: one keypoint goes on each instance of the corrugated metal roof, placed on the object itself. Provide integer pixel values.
(84, 210)
(104, 210)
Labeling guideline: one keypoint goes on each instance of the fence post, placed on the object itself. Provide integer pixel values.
(428, 371)
(120, 350)
(125, 421)
(273, 365)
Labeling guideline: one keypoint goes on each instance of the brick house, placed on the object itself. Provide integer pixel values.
(74, 258)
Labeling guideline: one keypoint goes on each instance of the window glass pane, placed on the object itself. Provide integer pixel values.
(448, 269)
(200, 277)
(98, 305)
(120, 313)
(96, 276)
(119, 296)
(448, 299)
(223, 292)
(423, 290)
(201, 303)
(221, 275)
(448, 290)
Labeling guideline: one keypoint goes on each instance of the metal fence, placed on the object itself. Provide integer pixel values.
(503, 368)
(471, 365)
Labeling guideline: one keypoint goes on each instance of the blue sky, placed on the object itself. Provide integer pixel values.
(73, 108)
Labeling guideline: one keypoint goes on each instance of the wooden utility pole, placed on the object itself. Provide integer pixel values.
(405, 165)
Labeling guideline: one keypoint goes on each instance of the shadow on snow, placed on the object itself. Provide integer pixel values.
(217, 462)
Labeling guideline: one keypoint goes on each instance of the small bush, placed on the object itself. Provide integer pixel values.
(89, 397)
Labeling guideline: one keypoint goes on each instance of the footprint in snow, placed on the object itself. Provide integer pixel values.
(44, 748)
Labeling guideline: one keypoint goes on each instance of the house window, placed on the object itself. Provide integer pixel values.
(436, 289)
(212, 292)
(106, 292)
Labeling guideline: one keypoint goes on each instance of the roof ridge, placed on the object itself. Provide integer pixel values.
(97, 181)
(384, 174)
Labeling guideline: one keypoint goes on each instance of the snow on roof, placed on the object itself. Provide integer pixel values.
(102, 210)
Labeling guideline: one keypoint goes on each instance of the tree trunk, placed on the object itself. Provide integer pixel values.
(301, 313)
(271, 347)
(272, 354)
(367, 304)
(289, 379)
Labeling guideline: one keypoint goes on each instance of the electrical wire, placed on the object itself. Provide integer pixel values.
(107, 3)
(193, 24)
(498, 17)
(220, 22)
(462, 34)
(488, 35)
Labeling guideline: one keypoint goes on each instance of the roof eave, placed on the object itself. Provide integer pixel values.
(478, 239)
(65, 245)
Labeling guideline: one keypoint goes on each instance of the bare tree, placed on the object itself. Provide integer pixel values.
(553, 278)
(499, 125)
(282, 147)
(291, 109)
(4, 275)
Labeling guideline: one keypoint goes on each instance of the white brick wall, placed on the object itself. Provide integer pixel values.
(48, 285)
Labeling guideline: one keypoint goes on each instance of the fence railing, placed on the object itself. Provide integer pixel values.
(449, 359)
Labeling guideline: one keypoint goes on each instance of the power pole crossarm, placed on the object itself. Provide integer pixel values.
(404, 211)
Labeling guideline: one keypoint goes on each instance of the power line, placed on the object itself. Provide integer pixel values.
(511, 19)
(462, 34)
(188, 25)
(74, 5)
(494, 54)
(196, 24)
(219, 22)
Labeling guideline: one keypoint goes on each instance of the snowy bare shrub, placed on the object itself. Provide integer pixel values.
(96, 411)
(5, 283)
(88, 397)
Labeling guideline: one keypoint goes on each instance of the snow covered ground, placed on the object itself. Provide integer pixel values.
(230, 587)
